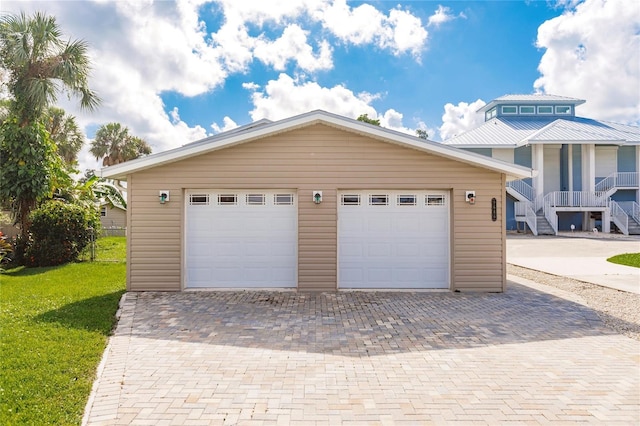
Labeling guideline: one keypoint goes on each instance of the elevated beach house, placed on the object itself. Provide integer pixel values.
(585, 170)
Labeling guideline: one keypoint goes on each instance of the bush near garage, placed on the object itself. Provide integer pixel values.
(59, 232)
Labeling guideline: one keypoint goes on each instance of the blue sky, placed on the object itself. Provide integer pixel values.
(174, 72)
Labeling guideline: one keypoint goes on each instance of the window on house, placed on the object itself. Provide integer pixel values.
(255, 199)
(378, 200)
(283, 199)
(545, 109)
(227, 199)
(199, 199)
(350, 200)
(434, 200)
(406, 200)
(563, 109)
(527, 109)
(490, 114)
(509, 109)
(103, 211)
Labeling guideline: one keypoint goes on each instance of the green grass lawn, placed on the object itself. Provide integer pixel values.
(629, 259)
(54, 324)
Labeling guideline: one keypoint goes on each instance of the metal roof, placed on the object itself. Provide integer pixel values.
(233, 138)
(502, 132)
(532, 99)
(513, 132)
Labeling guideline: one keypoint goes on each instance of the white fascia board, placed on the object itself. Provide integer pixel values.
(571, 142)
(120, 171)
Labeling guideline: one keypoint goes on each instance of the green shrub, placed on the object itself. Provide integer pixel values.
(59, 232)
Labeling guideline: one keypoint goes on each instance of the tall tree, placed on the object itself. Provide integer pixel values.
(65, 133)
(113, 144)
(39, 64)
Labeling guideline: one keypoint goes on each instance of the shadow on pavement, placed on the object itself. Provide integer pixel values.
(360, 323)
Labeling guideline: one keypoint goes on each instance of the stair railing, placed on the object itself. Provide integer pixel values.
(549, 213)
(522, 188)
(618, 180)
(635, 211)
(607, 183)
(525, 208)
(619, 217)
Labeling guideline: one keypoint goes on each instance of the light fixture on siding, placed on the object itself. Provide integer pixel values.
(317, 197)
(470, 197)
(163, 196)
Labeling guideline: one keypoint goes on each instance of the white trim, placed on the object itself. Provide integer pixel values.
(226, 140)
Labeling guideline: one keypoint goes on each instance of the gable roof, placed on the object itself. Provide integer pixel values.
(265, 129)
(505, 132)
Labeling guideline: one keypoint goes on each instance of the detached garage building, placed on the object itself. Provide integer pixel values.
(316, 202)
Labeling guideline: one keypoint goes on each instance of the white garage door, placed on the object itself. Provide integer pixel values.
(393, 239)
(241, 239)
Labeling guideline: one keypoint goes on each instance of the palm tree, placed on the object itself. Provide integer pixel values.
(40, 63)
(113, 144)
(65, 133)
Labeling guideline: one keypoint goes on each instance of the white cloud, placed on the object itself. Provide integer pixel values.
(460, 118)
(593, 53)
(286, 97)
(292, 45)
(227, 124)
(440, 16)
(401, 31)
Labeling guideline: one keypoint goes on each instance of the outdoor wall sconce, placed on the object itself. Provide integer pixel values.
(164, 196)
(470, 197)
(317, 197)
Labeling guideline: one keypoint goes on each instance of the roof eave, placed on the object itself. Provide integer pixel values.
(121, 171)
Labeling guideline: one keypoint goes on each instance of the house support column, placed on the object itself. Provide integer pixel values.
(588, 180)
(537, 163)
(570, 165)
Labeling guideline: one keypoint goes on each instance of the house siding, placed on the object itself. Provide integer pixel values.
(115, 218)
(318, 157)
(627, 159)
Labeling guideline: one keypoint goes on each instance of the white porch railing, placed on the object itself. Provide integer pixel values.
(549, 213)
(522, 187)
(619, 217)
(525, 209)
(618, 180)
(576, 199)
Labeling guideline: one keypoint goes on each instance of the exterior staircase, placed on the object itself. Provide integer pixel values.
(634, 227)
(632, 209)
(539, 213)
(542, 225)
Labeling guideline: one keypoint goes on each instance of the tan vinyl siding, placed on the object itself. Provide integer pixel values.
(115, 218)
(323, 158)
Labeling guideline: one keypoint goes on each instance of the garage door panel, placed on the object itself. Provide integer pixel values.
(241, 245)
(395, 245)
(376, 250)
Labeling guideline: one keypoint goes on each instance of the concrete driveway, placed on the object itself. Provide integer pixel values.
(524, 356)
(580, 256)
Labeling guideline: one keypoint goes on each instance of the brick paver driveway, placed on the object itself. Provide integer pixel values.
(524, 356)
